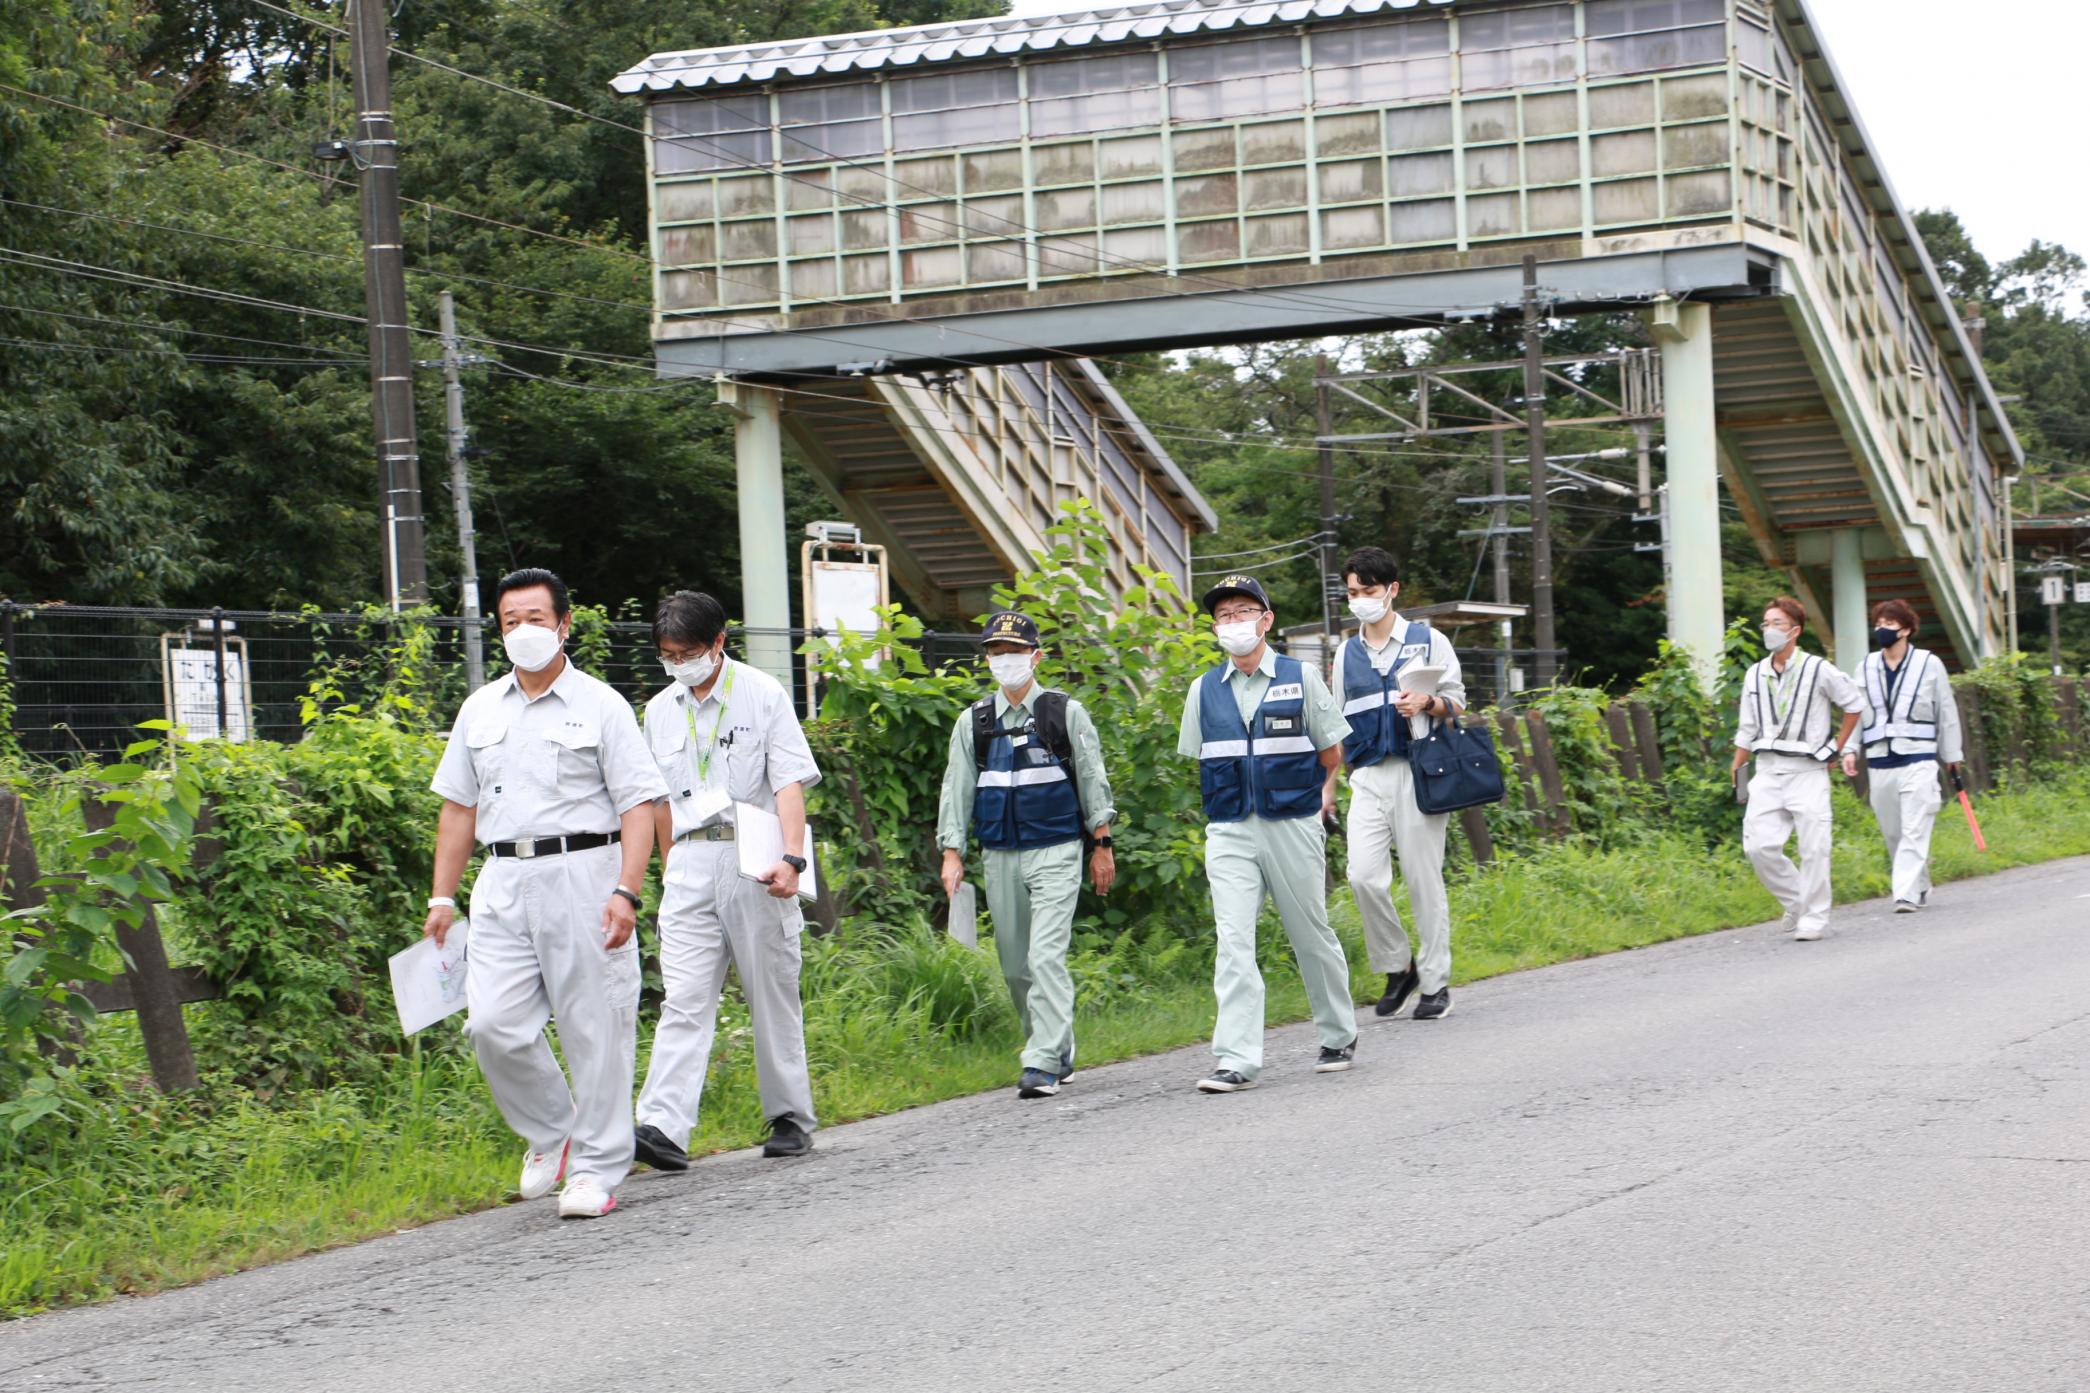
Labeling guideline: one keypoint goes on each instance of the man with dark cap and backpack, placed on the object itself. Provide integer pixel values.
(1026, 776)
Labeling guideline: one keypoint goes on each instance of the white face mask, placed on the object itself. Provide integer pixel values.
(1240, 638)
(531, 647)
(1774, 640)
(1011, 670)
(1369, 609)
(693, 672)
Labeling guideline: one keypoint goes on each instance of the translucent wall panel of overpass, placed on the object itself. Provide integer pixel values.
(1414, 132)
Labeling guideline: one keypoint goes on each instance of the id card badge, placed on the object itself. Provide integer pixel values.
(708, 805)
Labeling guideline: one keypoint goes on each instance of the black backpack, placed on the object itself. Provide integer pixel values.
(1049, 720)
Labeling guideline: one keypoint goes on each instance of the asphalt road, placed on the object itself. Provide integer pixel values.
(1728, 1163)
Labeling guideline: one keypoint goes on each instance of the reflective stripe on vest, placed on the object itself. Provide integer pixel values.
(1785, 741)
(1377, 728)
(1024, 797)
(1892, 724)
(1262, 773)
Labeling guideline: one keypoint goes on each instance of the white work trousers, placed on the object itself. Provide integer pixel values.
(1789, 794)
(711, 915)
(1384, 822)
(1906, 801)
(537, 956)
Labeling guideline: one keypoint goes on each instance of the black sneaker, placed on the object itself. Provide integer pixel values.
(1434, 1007)
(1225, 1081)
(652, 1146)
(1398, 987)
(786, 1138)
(1036, 1083)
(1335, 1061)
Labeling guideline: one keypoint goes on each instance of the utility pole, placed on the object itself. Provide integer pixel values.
(456, 440)
(375, 151)
(1498, 524)
(1546, 663)
(1327, 454)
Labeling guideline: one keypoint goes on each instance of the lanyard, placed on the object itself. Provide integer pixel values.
(704, 749)
(1782, 692)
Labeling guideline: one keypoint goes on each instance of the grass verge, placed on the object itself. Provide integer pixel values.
(156, 1192)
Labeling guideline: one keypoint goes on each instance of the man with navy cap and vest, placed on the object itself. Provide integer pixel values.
(1267, 736)
(1026, 776)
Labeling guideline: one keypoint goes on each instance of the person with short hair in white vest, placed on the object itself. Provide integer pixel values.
(1911, 722)
(1025, 775)
(1385, 821)
(1788, 722)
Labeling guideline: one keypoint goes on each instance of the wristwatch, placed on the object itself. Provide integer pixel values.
(1105, 843)
(796, 863)
(637, 904)
(441, 902)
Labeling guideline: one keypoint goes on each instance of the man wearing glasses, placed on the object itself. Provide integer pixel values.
(1267, 737)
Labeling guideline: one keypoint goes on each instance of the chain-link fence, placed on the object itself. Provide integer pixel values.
(82, 677)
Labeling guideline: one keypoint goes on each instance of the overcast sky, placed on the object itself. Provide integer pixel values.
(1979, 107)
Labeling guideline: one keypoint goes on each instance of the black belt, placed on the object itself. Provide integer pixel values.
(553, 846)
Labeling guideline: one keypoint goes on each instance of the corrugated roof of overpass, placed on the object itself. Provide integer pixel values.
(978, 38)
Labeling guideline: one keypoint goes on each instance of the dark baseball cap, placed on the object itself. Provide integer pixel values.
(1235, 585)
(1011, 627)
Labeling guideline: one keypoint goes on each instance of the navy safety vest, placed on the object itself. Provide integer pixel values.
(1025, 796)
(1274, 772)
(1377, 728)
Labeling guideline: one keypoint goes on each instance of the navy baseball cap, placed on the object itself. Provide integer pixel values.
(1235, 585)
(1011, 627)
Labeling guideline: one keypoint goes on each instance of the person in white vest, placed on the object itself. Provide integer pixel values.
(1788, 722)
(1384, 819)
(1911, 722)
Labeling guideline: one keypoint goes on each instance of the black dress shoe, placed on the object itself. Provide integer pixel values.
(786, 1138)
(653, 1147)
(1399, 986)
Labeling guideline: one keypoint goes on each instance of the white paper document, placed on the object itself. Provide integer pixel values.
(1420, 677)
(965, 915)
(428, 982)
(759, 835)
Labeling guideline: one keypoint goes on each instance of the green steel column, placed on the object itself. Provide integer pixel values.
(1697, 611)
(765, 573)
(1847, 586)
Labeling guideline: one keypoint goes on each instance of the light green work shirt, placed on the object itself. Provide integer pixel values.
(961, 775)
(1325, 725)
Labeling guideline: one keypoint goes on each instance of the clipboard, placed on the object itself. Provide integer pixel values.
(758, 837)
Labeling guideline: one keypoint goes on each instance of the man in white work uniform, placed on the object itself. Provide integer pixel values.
(546, 768)
(1025, 774)
(1911, 722)
(1384, 712)
(1788, 722)
(1267, 739)
(722, 733)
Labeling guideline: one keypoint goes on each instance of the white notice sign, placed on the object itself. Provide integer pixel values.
(192, 689)
(428, 982)
(2082, 592)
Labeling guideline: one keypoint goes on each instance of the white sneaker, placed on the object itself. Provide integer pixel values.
(584, 1199)
(1788, 921)
(1808, 934)
(542, 1170)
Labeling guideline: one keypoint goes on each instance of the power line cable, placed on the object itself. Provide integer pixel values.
(315, 251)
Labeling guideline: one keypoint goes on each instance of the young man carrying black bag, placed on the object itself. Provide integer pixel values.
(1385, 819)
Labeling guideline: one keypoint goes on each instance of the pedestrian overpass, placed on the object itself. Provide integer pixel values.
(869, 208)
